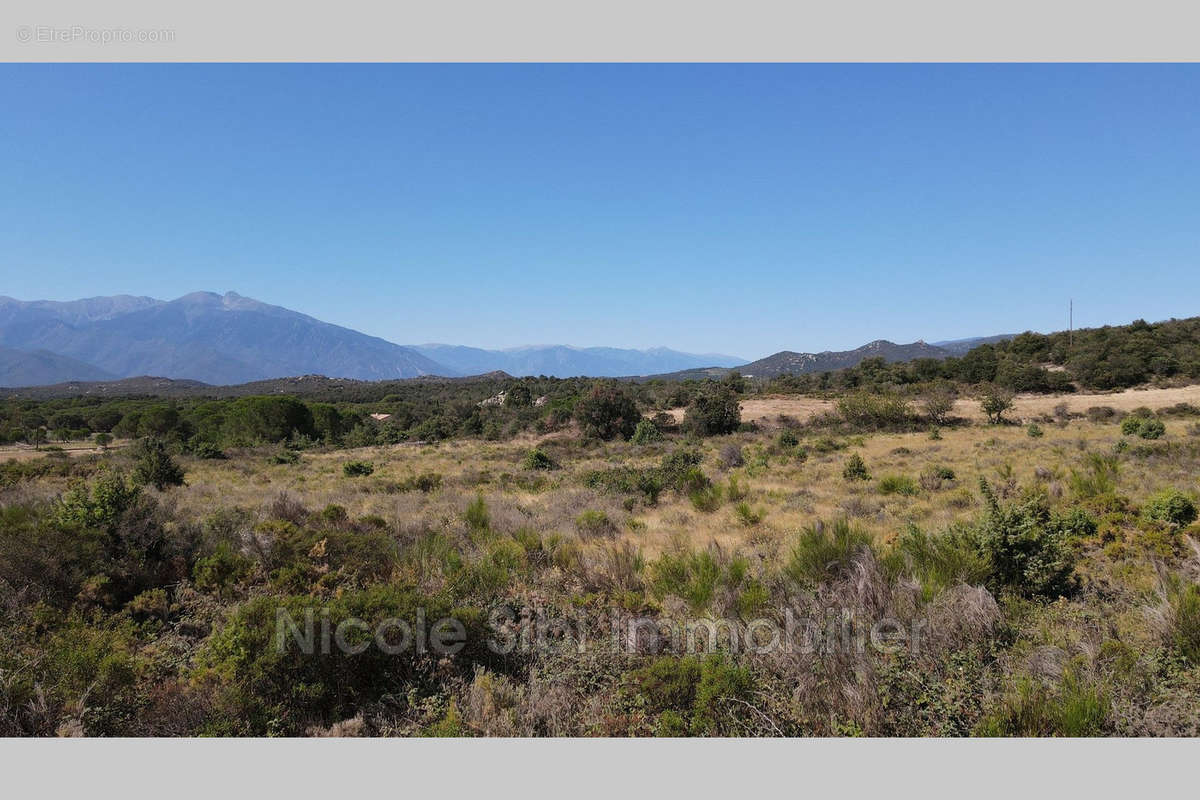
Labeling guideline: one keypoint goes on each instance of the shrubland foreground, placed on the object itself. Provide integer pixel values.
(590, 564)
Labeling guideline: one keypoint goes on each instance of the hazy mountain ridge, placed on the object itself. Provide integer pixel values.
(217, 339)
(787, 362)
(563, 361)
(226, 340)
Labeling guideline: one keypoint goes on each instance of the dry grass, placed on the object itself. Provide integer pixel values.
(790, 493)
(1031, 406)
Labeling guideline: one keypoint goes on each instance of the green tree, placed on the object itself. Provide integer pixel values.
(154, 465)
(995, 403)
(607, 411)
(713, 412)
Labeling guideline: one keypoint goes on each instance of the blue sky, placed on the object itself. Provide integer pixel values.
(740, 209)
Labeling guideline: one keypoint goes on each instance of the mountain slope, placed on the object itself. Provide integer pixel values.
(217, 339)
(787, 362)
(958, 347)
(562, 361)
(41, 367)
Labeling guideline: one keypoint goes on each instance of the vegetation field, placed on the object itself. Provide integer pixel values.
(1035, 578)
(892, 549)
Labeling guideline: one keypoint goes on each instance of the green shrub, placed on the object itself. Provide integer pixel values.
(940, 561)
(897, 484)
(646, 432)
(1185, 621)
(536, 459)
(1143, 426)
(788, 439)
(607, 411)
(748, 516)
(1073, 708)
(357, 469)
(268, 689)
(824, 549)
(476, 515)
(1035, 431)
(713, 412)
(1171, 506)
(1029, 548)
(222, 569)
(706, 498)
(1098, 479)
(694, 695)
(855, 469)
(874, 410)
(995, 403)
(284, 456)
(207, 450)
(154, 466)
(592, 522)
(1152, 429)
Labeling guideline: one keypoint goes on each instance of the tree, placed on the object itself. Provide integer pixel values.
(607, 411)
(713, 412)
(518, 396)
(938, 403)
(103, 440)
(155, 466)
(995, 403)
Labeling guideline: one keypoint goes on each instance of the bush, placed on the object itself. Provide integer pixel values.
(1073, 708)
(731, 456)
(607, 411)
(713, 412)
(154, 466)
(646, 432)
(1100, 413)
(693, 696)
(855, 469)
(695, 576)
(746, 515)
(285, 456)
(932, 478)
(897, 484)
(938, 403)
(871, 410)
(1171, 506)
(537, 459)
(942, 561)
(706, 498)
(222, 569)
(1152, 429)
(1185, 622)
(594, 523)
(207, 450)
(1029, 548)
(357, 469)
(476, 515)
(788, 439)
(1098, 479)
(995, 403)
(1035, 431)
(822, 550)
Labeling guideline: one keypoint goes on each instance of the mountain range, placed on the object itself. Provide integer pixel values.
(230, 339)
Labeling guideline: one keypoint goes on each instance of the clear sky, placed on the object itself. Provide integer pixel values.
(711, 208)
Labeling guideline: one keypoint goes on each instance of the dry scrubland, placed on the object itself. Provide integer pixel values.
(1025, 406)
(1109, 656)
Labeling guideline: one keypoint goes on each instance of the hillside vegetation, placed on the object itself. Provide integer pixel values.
(541, 557)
